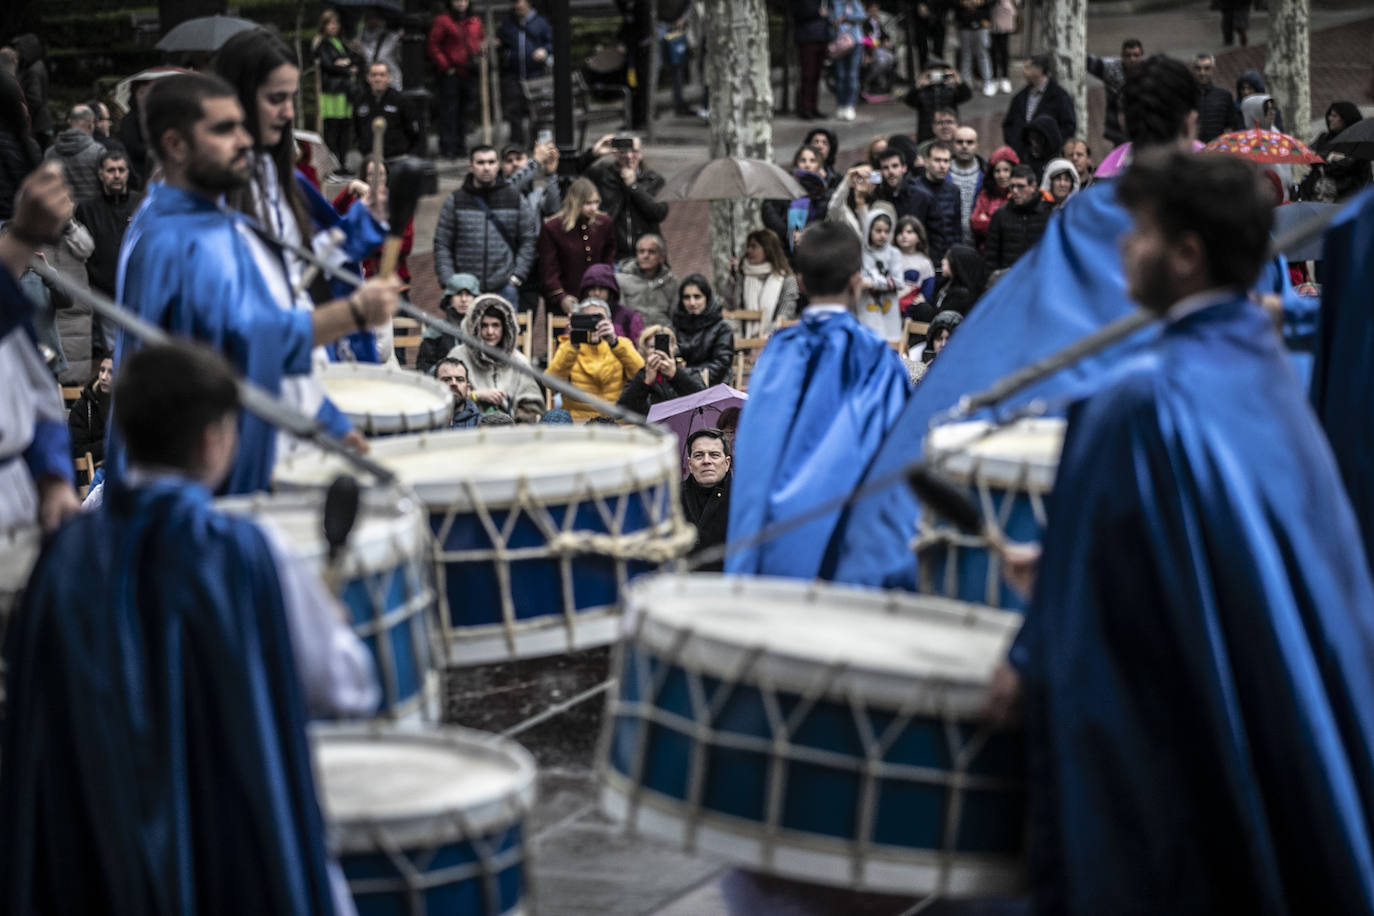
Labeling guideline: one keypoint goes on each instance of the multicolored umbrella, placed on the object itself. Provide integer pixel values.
(1265, 146)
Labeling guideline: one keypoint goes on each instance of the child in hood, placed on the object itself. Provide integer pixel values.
(882, 274)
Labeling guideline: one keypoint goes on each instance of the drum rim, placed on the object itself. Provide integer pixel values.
(791, 671)
(401, 420)
(956, 462)
(498, 811)
(21, 546)
(658, 462)
(403, 536)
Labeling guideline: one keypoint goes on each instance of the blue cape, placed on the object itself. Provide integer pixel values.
(821, 400)
(1067, 286)
(1198, 656)
(154, 743)
(186, 268)
(1343, 378)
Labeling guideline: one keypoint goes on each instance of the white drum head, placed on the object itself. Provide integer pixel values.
(388, 529)
(553, 463)
(891, 648)
(421, 788)
(384, 399)
(1029, 447)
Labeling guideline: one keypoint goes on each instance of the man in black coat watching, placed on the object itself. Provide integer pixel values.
(706, 491)
(942, 220)
(1216, 110)
(379, 100)
(1042, 96)
(107, 216)
(1017, 226)
(629, 188)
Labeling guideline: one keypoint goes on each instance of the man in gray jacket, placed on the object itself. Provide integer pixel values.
(647, 284)
(487, 229)
(79, 153)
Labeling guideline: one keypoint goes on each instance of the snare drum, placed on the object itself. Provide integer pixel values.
(426, 822)
(818, 732)
(1009, 472)
(382, 581)
(384, 400)
(536, 528)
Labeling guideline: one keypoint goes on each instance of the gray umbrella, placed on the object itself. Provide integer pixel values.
(204, 34)
(1290, 215)
(1356, 141)
(732, 178)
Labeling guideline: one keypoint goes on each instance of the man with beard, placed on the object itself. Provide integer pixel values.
(187, 265)
(1113, 72)
(1195, 663)
(106, 216)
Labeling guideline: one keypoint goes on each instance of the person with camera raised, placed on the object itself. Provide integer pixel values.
(664, 376)
(615, 164)
(593, 358)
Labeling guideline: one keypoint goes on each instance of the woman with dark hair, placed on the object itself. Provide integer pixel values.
(704, 339)
(762, 281)
(19, 152)
(964, 277)
(1340, 176)
(995, 191)
(263, 72)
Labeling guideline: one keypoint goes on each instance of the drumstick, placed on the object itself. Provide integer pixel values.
(391, 248)
(340, 514)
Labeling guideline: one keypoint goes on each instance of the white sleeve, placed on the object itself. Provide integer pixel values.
(337, 671)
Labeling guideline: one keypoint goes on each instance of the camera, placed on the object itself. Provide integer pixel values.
(663, 343)
(580, 328)
(622, 143)
(937, 77)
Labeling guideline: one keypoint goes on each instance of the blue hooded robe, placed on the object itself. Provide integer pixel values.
(1070, 284)
(1343, 378)
(822, 398)
(154, 745)
(1198, 656)
(187, 268)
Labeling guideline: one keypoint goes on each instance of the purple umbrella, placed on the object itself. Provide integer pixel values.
(697, 411)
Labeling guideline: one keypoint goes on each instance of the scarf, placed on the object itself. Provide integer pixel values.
(762, 288)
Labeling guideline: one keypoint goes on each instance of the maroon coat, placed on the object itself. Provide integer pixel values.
(454, 43)
(565, 256)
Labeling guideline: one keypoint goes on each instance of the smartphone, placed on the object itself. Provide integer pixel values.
(544, 136)
(580, 328)
(875, 177)
(937, 77)
(619, 143)
(663, 344)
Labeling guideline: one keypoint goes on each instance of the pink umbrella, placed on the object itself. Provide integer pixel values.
(696, 411)
(1119, 158)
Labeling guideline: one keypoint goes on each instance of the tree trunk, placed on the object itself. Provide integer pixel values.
(1288, 63)
(1065, 27)
(174, 12)
(737, 74)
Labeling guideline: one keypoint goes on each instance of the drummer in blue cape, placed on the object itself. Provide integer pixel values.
(1196, 667)
(157, 701)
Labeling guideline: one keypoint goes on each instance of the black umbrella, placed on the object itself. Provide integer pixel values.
(204, 34)
(1356, 141)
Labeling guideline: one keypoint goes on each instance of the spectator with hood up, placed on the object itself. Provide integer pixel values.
(1060, 181)
(599, 283)
(1041, 142)
(496, 384)
(994, 192)
(1251, 83)
(882, 275)
(937, 338)
(1341, 175)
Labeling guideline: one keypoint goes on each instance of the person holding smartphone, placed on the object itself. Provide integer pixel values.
(664, 377)
(594, 358)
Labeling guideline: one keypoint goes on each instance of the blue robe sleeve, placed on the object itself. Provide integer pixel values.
(49, 454)
(333, 420)
(822, 398)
